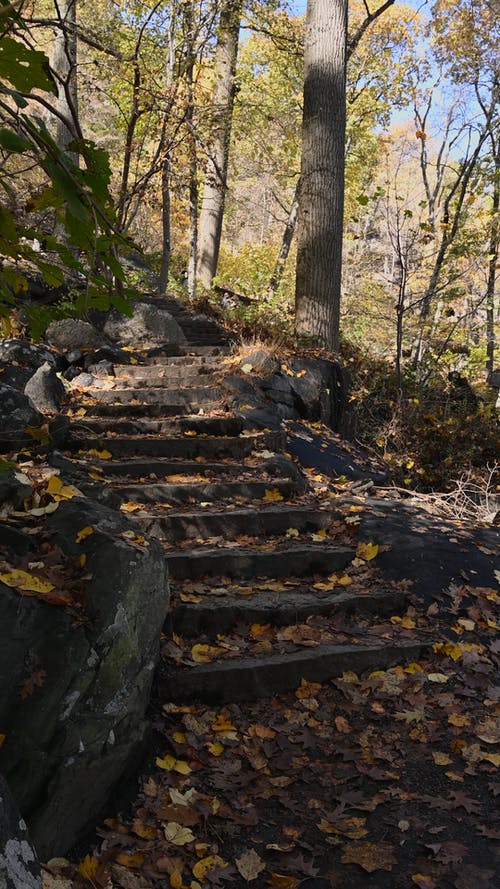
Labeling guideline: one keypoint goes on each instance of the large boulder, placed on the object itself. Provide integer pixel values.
(319, 388)
(19, 868)
(79, 677)
(72, 334)
(148, 325)
(17, 414)
(28, 354)
(45, 389)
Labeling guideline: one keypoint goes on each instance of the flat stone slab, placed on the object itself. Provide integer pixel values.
(230, 426)
(220, 614)
(299, 561)
(203, 492)
(140, 468)
(262, 522)
(180, 396)
(338, 458)
(249, 679)
(188, 447)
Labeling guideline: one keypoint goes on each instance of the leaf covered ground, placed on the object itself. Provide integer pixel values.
(386, 780)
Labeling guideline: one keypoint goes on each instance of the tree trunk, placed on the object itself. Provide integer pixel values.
(64, 64)
(492, 270)
(286, 243)
(321, 197)
(165, 218)
(214, 192)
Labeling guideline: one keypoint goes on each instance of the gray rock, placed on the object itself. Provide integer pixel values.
(148, 325)
(108, 353)
(15, 376)
(82, 381)
(73, 708)
(323, 382)
(45, 389)
(13, 488)
(29, 354)
(17, 413)
(494, 378)
(262, 361)
(19, 868)
(278, 389)
(71, 334)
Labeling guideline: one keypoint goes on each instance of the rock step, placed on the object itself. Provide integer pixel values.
(265, 521)
(249, 679)
(185, 397)
(209, 471)
(165, 376)
(99, 409)
(301, 560)
(164, 354)
(203, 425)
(176, 494)
(220, 614)
(210, 447)
(195, 358)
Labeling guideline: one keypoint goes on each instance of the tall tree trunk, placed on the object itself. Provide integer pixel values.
(321, 197)
(214, 192)
(492, 269)
(165, 219)
(286, 242)
(64, 64)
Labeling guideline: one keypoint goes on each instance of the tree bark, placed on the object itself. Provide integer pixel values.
(492, 267)
(321, 197)
(165, 218)
(286, 243)
(64, 64)
(214, 192)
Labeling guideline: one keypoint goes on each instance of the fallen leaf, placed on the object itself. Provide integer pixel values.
(85, 532)
(130, 859)
(203, 654)
(88, 868)
(23, 581)
(246, 368)
(59, 491)
(441, 759)
(130, 506)
(283, 881)
(366, 551)
(205, 865)
(250, 865)
(177, 834)
(423, 882)
(171, 764)
(272, 495)
(369, 856)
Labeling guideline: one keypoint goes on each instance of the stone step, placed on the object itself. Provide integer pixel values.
(212, 471)
(210, 447)
(301, 560)
(166, 376)
(231, 426)
(186, 397)
(266, 521)
(201, 358)
(99, 409)
(252, 678)
(220, 614)
(200, 492)
(164, 354)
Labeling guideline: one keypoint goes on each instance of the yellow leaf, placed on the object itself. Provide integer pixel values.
(21, 580)
(292, 532)
(130, 506)
(177, 834)
(408, 623)
(130, 859)
(283, 881)
(176, 881)
(60, 491)
(179, 737)
(215, 749)
(345, 580)
(202, 867)
(324, 586)
(413, 668)
(458, 720)
(494, 758)
(246, 368)
(367, 551)
(320, 535)
(82, 560)
(223, 724)
(85, 532)
(307, 689)
(437, 677)
(88, 868)
(272, 495)
(171, 764)
(203, 654)
(441, 759)
(190, 433)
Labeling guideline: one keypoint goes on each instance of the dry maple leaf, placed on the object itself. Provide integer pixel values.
(250, 865)
(369, 856)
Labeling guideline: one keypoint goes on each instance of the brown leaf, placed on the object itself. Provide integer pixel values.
(369, 856)
(250, 865)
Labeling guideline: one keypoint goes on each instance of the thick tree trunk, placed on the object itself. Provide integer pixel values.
(214, 192)
(286, 243)
(64, 64)
(321, 197)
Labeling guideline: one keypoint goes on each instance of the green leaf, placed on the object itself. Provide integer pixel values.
(25, 68)
(363, 199)
(52, 274)
(12, 142)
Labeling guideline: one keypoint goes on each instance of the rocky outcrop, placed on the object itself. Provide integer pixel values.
(79, 677)
(148, 325)
(28, 354)
(19, 868)
(71, 334)
(17, 414)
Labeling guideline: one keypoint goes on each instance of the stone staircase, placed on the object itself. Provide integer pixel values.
(257, 558)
